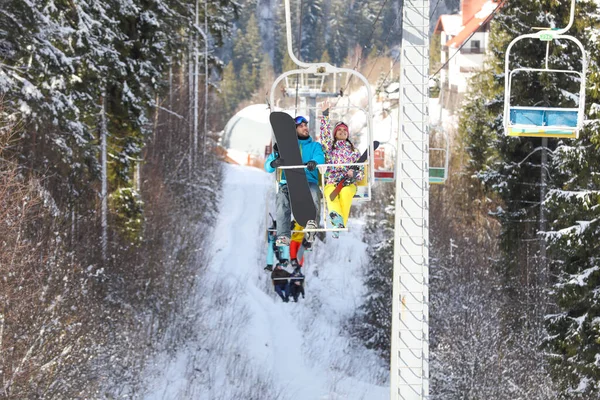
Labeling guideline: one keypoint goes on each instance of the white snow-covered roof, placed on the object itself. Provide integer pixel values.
(486, 9)
(452, 24)
(249, 130)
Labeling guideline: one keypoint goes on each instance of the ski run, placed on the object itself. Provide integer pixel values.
(248, 340)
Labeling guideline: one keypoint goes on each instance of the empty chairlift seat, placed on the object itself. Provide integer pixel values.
(437, 175)
(543, 121)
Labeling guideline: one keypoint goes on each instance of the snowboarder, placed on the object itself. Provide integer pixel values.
(339, 149)
(312, 155)
(281, 283)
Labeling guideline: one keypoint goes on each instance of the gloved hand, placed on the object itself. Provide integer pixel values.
(278, 162)
(351, 176)
(325, 108)
(311, 165)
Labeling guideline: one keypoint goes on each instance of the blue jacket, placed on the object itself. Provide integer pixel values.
(311, 151)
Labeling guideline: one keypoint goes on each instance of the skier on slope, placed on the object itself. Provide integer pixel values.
(339, 149)
(312, 155)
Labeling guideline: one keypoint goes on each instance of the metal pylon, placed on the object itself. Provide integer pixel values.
(410, 306)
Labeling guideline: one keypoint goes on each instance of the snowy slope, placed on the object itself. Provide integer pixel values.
(252, 345)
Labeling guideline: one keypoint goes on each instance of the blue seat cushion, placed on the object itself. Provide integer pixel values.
(547, 117)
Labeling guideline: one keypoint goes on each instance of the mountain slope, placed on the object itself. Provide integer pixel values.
(249, 344)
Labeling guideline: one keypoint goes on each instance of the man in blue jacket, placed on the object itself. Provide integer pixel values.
(312, 155)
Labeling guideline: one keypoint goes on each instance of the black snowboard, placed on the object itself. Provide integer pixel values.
(284, 128)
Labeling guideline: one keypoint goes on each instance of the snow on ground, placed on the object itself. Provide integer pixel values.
(249, 343)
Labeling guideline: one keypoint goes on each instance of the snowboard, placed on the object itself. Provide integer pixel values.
(362, 159)
(301, 200)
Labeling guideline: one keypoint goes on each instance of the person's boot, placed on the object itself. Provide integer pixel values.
(310, 236)
(321, 236)
(338, 222)
(282, 241)
(269, 268)
(308, 246)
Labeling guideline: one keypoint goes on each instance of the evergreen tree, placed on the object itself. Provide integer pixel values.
(313, 30)
(280, 41)
(572, 206)
(337, 43)
(68, 58)
(373, 320)
(229, 92)
(511, 169)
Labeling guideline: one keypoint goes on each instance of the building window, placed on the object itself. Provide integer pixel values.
(475, 48)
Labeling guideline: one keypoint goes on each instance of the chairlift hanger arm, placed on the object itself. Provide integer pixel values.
(537, 36)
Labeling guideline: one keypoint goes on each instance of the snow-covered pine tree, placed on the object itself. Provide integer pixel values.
(511, 169)
(314, 20)
(372, 323)
(573, 209)
(337, 42)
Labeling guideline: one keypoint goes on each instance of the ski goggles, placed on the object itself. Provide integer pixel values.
(300, 120)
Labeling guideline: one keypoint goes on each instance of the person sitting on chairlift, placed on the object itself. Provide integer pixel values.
(339, 149)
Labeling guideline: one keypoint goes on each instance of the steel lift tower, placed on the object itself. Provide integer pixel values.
(410, 305)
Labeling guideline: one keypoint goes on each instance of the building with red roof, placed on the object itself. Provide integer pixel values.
(464, 40)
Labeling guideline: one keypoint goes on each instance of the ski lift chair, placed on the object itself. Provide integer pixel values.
(315, 73)
(384, 165)
(313, 76)
(532, 121)
(315, 86)
(439, 158)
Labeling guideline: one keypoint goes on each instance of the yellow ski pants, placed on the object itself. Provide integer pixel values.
(342, 202)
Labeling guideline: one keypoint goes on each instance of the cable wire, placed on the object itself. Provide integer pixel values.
(368, 41)
(485, 22)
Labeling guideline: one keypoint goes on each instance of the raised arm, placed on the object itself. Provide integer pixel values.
(326, 138)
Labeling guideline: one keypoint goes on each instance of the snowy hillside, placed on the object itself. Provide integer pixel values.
(249, 343)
